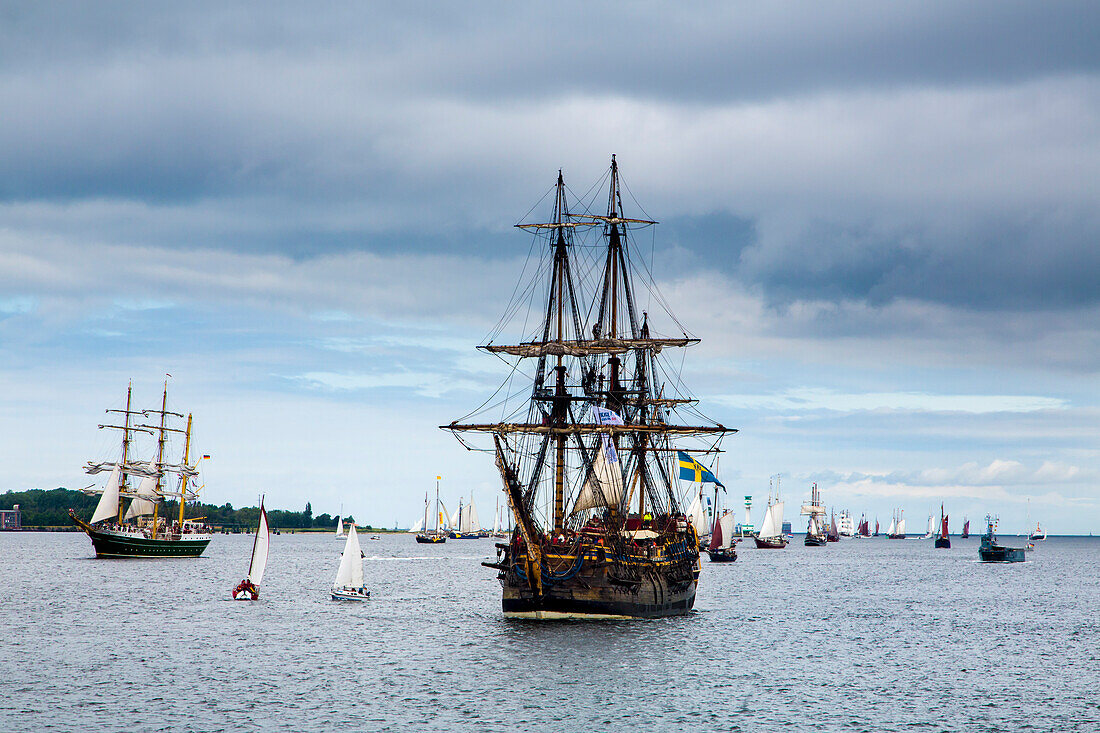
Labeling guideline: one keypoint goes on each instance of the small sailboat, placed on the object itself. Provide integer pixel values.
(990, 551)
(465, 522)
(943, 541)
(876, 534)
(339, 527)
(832, 534)
(815, 527)
(966, 528)
(348, 585)
(438, 535)
(722, 541)
(931, 530)
(770, 536)
(897, 526)
(249, 588)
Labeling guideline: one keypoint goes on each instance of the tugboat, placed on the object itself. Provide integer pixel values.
(140, 531)
(585, 460)
(943, 541)
(815, 529)
(990, 551)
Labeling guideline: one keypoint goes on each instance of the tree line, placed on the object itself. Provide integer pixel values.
(50, 508)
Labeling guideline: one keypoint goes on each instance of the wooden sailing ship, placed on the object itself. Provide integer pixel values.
(943, 541)
(438, 535)
(816, 532)
(586, 458)
(139, 530)
(770, 536)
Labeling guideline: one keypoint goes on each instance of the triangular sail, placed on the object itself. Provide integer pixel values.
(893, 527)
(455, 522)
(146, 501)
(418, 526)
(726, 523)
(339, 526)
(772, 525)
(108, 503)
(716, 535)
(350, 572)
(943, 527)
(259, 549)
(901, 526)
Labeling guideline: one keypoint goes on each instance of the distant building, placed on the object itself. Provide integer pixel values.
(9, 518)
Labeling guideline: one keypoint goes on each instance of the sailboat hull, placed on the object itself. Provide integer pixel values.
(431, 539)
(724, 555)
(112, 544)
(770, 543)
(653, 598)
(943, 543)
(814, 541)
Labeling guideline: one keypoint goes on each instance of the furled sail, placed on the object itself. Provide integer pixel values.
(350, 572)
(259, 550)
(108, 503)
(605, 486)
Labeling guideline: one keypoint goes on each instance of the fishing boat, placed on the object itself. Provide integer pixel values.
(943, 541)
(770, 536)
(897, 526)
(465, 522)
(439, 534)
(966, 528)
(722, 539)
(587, 460)
(845, 527)
(139, 530)
(348, 585)
(991, 551)
(249, 588)
(816, 535)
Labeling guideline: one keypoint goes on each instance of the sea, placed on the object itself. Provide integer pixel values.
(861, 635)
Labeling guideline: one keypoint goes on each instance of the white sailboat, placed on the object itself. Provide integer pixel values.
(931, 528)
(339, 527)
(348, 585)
(771, 529)
(249, 588)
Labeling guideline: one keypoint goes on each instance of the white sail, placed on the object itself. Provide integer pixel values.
(696, 515)
(901, 526)
(418, 526)
(773, 521)
(145, 502)
(726, 523)
(472, 518)
(350, 572)
(605, 486)
(496, 522)
(892, 526)
(443, 521)
(108, 503)
(259, 550)
(455, 522)
(339, 526)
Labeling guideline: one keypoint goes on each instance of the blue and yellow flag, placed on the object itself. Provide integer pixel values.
(692, 470)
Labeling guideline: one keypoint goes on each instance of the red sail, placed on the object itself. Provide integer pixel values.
(943, 529)
(716, 534)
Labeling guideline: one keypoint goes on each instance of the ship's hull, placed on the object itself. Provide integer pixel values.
(895, 536)
(997, 553)
(464, 535)
(814, 541)
(770, 543)
(724, 555)
(111, 544)
(943, 543)
(431, 539)
(651, 599)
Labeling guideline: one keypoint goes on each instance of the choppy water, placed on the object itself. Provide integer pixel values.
(866, 635)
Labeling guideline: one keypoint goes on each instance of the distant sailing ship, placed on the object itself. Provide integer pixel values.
(340, 527)
(434, 536)
(816, 534)
(249, 588)
(931, 530)
(832, 534)
(770, 536)
(139, 530)
(966, 528)
(876, 532)
(897, 526)
(722, 539)
(943, 541)
(864, 528)
(465, 522)
(348, 585)
(845, 527)
(587, 462)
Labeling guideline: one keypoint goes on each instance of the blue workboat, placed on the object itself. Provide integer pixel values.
(990, 551)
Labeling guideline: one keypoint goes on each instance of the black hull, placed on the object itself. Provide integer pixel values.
(943, 543)
(996, 553)
(895, 536)
(770, 544)
(111, 545)
(431, 539)
(722, 555)
(812, 541)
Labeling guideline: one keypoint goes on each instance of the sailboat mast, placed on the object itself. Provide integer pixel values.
(125, 449)
(437, 503)
(561, 403)
(183, 475)
(161, 440)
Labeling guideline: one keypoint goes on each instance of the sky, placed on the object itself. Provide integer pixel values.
(880, 219)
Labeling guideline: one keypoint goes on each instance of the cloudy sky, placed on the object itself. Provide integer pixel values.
(880, 218)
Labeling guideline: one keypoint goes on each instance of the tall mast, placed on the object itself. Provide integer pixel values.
(183, 475)
(561, 397)
(437, 502)
(161, 440)
(125, 448)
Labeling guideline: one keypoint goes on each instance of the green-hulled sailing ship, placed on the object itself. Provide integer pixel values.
(127, 521)
(587, 456)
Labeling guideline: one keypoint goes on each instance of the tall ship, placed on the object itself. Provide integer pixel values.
(845, 526)
(127, 521)
(816, 528)
(587, 455)
(897, 526)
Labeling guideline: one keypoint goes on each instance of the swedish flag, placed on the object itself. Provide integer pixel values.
(692, 470)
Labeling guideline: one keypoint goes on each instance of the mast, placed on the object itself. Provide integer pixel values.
(125, 427)
(183, 475)
(161, 440)
(437, 478)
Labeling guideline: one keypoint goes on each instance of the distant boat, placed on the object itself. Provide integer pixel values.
(249, 588)
(465, 522)
(864, 529)
(897, 526)
(348, 585)
(943, 541)
(770, 536)
(815, 527)
(930, 532)
(435, 536)
(721, 547)
(966, 528)
(1038, 534)
(846, 527)
(339, 527)
(697, 518)
(990, 551)
(832, 535)
(876, 528)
